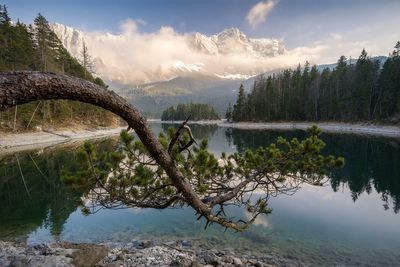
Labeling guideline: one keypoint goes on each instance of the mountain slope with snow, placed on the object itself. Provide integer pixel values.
(233, 41)
(135, 58)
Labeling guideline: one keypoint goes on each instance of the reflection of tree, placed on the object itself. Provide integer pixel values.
(370, 162)
(199, 131)
(47, 202)
(253, 139)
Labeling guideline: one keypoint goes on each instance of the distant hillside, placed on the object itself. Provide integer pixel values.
(153, 98)
(381, 59)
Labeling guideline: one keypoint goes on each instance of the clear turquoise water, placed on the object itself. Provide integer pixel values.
(353, 220)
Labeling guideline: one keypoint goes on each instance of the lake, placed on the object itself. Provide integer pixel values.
(353, 220)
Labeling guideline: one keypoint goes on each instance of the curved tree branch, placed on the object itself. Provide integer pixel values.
(279, 168)
(18, 88)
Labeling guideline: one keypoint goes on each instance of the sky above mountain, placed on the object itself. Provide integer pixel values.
(318, 31)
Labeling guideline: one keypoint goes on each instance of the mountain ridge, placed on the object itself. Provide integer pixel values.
(230, 43)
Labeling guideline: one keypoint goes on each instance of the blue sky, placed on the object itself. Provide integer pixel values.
(144, 40)
(298, 22)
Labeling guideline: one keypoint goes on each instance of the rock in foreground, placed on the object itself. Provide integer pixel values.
(177, 254)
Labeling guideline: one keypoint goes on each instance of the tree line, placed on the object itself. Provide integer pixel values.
(36, 47)
(363, 91)
(195, 111)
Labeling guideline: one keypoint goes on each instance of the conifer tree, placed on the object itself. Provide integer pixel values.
(228, 114)
(37, 47)
(86, 61)
(349, 92)
(42, 34)
(389, 84)
(238, 113)
(4, 17)
(192, 110)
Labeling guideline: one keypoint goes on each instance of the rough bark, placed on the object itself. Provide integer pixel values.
(18, 88)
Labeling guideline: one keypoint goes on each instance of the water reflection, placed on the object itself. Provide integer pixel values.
(199, 131)
(32, 194)
(370, 162)
(317, 225)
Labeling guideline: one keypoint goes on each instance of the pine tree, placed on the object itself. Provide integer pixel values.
(312, 101)
(349, 92)
(5, 37)
(397, 47)
(297, 102)
(49, 46)
(25, 47)
(389, 86)
(363, 87)
(228, 114)
(86, 61)
(4, 17)
(195, 111)
(238, 113)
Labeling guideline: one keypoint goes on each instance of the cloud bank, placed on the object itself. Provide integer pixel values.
(132, 57)
(259, 12)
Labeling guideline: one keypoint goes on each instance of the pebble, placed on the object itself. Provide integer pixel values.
(186, 243)
(237, 261)
(135, 253)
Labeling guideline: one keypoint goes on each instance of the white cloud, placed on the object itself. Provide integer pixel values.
(336, 36)
(259, 12)
(133, 57)
(129, 26)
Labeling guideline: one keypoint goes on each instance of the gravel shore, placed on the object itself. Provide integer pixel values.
(135, 253)
(10, 142)
(329, 127)
(13, 142)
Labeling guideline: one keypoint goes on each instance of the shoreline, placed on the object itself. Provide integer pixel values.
(134, 253)
(327, 127)
(13, 142)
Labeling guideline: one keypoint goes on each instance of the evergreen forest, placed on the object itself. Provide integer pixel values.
(195, 111)
(37, 48)
(364, 91)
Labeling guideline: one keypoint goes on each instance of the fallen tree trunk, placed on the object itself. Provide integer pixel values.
(18, 88)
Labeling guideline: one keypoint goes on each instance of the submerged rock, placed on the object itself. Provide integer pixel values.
(16, 254)
(135, 253)
(186, 243)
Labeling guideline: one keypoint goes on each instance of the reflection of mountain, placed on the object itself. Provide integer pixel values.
(44, 201)
(370, 163)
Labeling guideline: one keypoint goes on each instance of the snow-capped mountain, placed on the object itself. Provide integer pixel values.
(233, 41)
(71, 38)
(134, 58)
